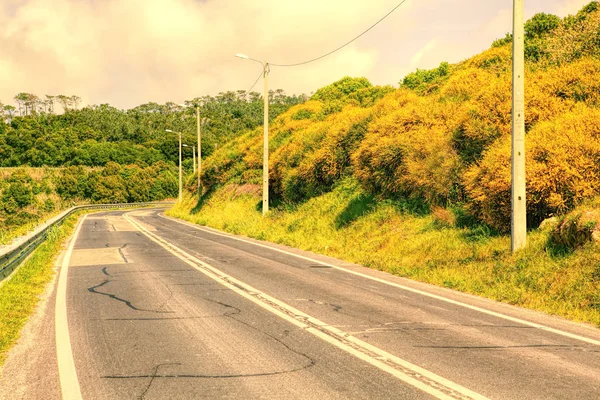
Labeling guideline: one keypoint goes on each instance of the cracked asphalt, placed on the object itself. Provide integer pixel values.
(145, 325)
(151, 327)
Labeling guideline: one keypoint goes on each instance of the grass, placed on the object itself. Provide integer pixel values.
(406, 241)
(20, 294)
(8, 234)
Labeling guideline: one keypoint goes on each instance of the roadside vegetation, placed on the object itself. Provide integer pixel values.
(20, 294)
(29, 196)
(407, 239)
(416, 180)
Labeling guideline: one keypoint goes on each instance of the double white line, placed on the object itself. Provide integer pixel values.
(396, 285)
(411, 374)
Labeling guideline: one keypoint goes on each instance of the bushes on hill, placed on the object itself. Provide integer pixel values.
(574, 230)
(118, 184)
(563, 168)
(408, 151)
(313, 159)
(443, 137)
(424, 81)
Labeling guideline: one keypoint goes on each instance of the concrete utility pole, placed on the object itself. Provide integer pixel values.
(266, 142)
(180, 172)
(199, 150)
(265, 205)
(519, 205)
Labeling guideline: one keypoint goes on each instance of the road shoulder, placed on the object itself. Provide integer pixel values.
(31, 369)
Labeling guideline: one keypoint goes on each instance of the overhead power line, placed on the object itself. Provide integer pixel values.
(345, 44)
(254, 84)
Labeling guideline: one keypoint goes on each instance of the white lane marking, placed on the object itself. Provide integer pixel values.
(69, 384)
(418, 377)
(409, 289)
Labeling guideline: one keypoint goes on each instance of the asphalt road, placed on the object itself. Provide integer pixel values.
(159, 309)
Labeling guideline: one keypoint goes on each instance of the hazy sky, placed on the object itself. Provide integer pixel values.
(129, 52)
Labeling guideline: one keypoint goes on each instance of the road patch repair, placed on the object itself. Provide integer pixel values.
(101, 256)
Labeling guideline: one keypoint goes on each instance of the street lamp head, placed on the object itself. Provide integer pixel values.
(170, 131)
(182, 105)
(242, 56)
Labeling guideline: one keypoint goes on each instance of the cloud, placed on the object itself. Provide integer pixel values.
(416, 59)
(127, 52)
(567, 7)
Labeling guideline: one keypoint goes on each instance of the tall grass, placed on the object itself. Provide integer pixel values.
(407, 240)
(20, 294)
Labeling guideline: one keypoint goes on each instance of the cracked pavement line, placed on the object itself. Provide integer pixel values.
(128, 303)
(409, 373)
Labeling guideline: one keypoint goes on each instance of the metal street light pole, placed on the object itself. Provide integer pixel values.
(180, 176)
(265, 205)
(199, 124)
(518, 190)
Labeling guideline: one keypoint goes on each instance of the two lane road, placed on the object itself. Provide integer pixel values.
(160, 309)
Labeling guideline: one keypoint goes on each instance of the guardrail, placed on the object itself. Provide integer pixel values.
(14, 254)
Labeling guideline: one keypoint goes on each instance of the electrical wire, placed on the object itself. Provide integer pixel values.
(252, 87)
(344, 45)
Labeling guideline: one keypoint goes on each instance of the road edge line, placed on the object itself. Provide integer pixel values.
(399, 286)
(69, 383)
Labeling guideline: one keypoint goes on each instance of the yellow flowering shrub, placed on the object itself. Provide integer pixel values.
(409, 152)
(444, 135)
(563, 169)
(311, 161)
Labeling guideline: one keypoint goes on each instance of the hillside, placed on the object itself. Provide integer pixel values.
(415, 181)
(29, 196)
(34, 135)
(443, 137)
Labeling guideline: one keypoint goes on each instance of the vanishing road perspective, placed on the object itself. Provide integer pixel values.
(392, 199)
(162, 309)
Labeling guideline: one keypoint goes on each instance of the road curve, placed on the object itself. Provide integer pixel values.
(162, 309)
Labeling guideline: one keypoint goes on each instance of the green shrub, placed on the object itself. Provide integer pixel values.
(48, 206)
(72, 183)
(20, 193)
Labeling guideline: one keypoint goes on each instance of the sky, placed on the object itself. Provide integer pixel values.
(130, 52)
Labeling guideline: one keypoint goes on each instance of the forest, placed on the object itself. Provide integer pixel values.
(50, 160)
(35, 135)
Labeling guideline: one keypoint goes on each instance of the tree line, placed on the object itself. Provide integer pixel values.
(27, 195)
(33, 134)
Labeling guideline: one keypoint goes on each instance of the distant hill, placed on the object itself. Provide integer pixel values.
(443, 137)
(101, 154)
(35, 136)
(30, 195)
